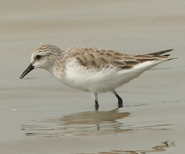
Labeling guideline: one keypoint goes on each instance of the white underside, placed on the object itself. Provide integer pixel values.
(101, 81)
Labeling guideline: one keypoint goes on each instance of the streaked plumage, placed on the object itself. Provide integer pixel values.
(94, 70)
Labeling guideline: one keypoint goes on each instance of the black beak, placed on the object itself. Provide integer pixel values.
(29, 69)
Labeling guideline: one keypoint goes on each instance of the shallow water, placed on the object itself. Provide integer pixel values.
(158, 148)
(86, 124)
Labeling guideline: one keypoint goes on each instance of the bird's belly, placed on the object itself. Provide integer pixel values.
(89, 84)
(96, 81)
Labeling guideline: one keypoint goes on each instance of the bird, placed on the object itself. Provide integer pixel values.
(92, 69)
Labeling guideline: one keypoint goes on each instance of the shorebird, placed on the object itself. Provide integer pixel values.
(92, 69)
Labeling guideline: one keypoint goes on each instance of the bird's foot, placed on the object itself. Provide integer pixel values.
(120, 104)
(96, 106)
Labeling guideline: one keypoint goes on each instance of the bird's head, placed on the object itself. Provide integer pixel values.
(43, 57)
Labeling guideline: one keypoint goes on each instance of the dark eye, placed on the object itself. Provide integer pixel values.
(38, 56)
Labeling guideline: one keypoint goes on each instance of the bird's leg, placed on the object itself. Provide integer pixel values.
(96, 101)
(120, 101)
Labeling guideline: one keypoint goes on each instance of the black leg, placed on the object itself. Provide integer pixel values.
(96, 105)
(96, 101)
(120, 101)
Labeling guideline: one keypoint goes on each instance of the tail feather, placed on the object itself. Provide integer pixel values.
(154, 56)
(160, 53)
(172, 59)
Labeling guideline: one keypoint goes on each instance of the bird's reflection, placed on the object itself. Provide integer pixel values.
(84, 123)
(98, 118)
(94, 117)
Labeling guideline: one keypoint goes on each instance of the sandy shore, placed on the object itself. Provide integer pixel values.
(40, 115)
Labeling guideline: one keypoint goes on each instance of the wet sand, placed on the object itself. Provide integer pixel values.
(40, 115)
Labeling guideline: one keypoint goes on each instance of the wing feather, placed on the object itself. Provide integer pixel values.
(99, 58)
